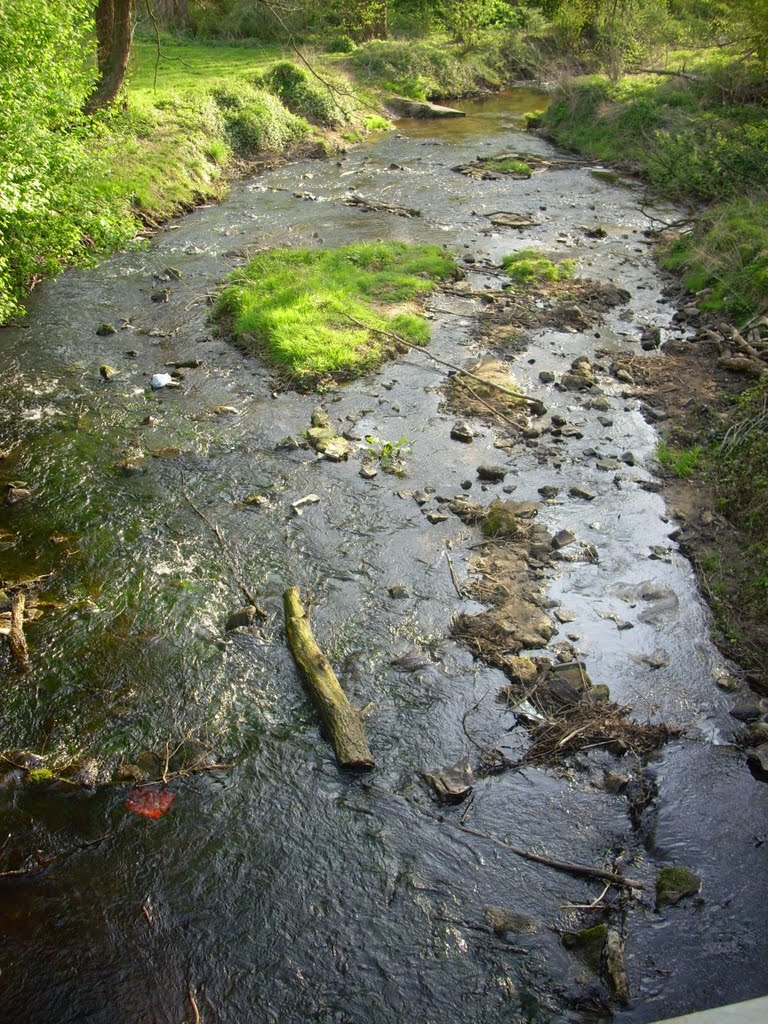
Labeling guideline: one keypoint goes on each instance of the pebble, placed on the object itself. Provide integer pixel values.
(436, 517)
(104, 329)
(746, 710)
(546, 376)
(368, 472)
(162, 380)
(562, 539)
(398, 592)
(466, 485)
(549, 491)
(108, 372)
(421, 497)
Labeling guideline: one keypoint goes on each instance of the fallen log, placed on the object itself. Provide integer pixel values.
(343, 722)
(16, 638)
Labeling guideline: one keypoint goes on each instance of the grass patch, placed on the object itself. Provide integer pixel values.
(529, 266)
(508, 165)
(680, 462)
(293, 306)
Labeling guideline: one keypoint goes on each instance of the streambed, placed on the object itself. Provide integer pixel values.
(280, 889)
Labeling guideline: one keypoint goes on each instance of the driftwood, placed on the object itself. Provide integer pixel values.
(16, 638)
(355, 199)
(343, 722)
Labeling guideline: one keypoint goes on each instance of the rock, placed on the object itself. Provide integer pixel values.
(549, 491)
(452, 784)
(255, 500)
(757, 734)
(628, 458)
(226, 410)
(162, 295)
(336, 449)
(521, 669)
(242, 618)
(573, 673)
(615, 968)
(398, 592)
(491, 474)
(466, 485)
(172, 274)
(588, 944)
(288, 444)
(650, 339)
(300, 504)
(108, 372)
(546, 377)
(746, 710)
(320, 418)
(162, 380)
(608, 465)
(596, 232)
(435, 517)
(757, 761)
(562, 539)
(104, 329)
(368, 472)
(130, 773)
(582, 492)
(674, 883)
(421, 497)
(623, 375)
(576, 382)
(563, 617)
(739, 364)
(503, 921)
(406, 107)
(461, 432)
(500, 520)
(15, 495)
(130, 467)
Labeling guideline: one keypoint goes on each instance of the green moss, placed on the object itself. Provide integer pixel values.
(40, 774)
(588, 944)
(673, 883)
(500, 521)
(529, 265)
(298, 307)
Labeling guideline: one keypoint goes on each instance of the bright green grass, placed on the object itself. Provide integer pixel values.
(194, 66)
(508, 165)
(529, 265)
(293, 306)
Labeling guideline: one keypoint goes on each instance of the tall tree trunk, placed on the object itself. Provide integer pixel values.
(114, 31)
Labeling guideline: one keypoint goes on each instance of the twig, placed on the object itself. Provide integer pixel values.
(459, 591)
(193, 1004)
(225, 548)
(55, 858)
(482, 401)
(444, 362)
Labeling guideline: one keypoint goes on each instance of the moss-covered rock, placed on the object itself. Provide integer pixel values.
(500, 521)
(674, 883)
(588, 944)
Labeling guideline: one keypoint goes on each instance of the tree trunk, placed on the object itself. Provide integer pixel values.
(343, 722)
(114, 31)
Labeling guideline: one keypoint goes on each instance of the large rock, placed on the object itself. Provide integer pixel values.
(453, 784)
(674, 883)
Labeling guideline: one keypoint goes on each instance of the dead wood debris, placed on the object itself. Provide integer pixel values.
(371, 206)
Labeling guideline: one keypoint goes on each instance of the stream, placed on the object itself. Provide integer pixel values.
(279, 889)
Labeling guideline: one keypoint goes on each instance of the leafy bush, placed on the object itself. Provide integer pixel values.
(56, 201)
(308, 97)
(255, 120)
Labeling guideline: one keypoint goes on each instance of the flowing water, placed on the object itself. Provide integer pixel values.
(280, 889)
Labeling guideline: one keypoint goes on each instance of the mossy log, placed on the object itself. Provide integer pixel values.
(343, 722)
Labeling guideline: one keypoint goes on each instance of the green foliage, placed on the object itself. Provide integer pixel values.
(528, 266)
(293, 306)
(508, 165)
(308, 97)
(255, 120)
(727, 254)
(40, 775)
(680, 462)
(389, 454)
(56, 203)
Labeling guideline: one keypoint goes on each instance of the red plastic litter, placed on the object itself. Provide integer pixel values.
(151, 803)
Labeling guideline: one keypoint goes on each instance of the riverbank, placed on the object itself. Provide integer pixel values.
(696, 132)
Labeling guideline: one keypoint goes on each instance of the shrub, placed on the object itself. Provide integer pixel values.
(322, 104)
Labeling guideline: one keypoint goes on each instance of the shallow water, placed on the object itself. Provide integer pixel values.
(280, 889)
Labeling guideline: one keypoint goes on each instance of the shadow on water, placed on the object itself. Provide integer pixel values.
(280, 889)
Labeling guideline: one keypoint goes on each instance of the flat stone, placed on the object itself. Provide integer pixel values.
(421, 497)
(546, 377)
(368, 472)
(562, 539)
(436, 517)
(549, 491)
(492, 474)
(452, 784)
(582, 492)
(757, 760)
(576, 382)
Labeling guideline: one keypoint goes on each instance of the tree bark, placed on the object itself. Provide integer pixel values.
(114, 31)
(343, 722)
